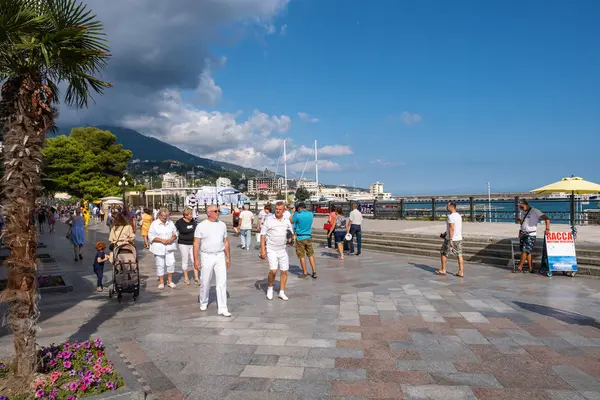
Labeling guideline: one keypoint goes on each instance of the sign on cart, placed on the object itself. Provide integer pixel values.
(559, 252)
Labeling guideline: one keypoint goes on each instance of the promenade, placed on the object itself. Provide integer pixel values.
(378, 326)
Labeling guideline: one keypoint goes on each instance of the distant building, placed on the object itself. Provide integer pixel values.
(223, 182)
(170, 180)
(376, 188)
(310, 186)
(337, 192)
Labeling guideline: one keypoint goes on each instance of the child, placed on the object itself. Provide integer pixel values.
(99, 260)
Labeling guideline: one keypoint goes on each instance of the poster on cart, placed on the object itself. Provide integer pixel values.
(559, 252)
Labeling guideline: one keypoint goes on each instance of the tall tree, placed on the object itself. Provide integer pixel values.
(42, 43)
(302, 194)
(86, 164)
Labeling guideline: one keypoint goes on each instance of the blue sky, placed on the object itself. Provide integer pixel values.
(507, 91)
(428, 97)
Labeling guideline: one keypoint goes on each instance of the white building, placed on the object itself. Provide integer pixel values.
(223, 182)
(170, 180)
(310, 186)
(337, 192)
(376, 189)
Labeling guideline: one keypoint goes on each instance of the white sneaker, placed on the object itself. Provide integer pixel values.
(282, 295)
(172, 285)
(203, 308)
(270, 293)
(161, 286)
(225, 314)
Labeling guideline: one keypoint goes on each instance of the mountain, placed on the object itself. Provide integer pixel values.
(148, 148)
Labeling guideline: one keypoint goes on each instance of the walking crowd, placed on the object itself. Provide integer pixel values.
(205, 248)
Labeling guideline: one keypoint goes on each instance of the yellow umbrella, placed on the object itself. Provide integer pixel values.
(573, 185)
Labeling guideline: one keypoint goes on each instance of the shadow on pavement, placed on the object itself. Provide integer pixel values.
(561, 315)
(424, 267)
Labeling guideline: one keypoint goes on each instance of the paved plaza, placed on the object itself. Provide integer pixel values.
(378, 326)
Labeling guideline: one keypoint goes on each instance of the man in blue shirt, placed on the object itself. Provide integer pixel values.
(302, 221)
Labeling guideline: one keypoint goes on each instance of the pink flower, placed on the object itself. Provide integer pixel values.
(54, 376)
(97, 367)
(100, 353)
(83, 387)
(39, 383)
(99, 361)
(98, 374)
(104, 370)
(73, 386)
(67, 364)
(71, 398)
(39, 394)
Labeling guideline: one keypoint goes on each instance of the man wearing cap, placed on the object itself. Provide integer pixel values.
(302, 221)
(528, 231)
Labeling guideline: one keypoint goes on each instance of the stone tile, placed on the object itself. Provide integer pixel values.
(471, 336)
(303, 390)
(576, 339)
(510, 394)
(564, 395)
(133, 352)
(400, 377)
(576, 378)
(475, 317)
(262, 341)
(259, 371)
(522, 337)
(243, 332)
(366, 363)
(380, 390)
(434, 392)
(312, 343)
(335, 353)
(335, 374)
(156, 378)
(282, 351)
(466, 379)
(228, 324)
(425, 366)
(238, 395)
(287, 361)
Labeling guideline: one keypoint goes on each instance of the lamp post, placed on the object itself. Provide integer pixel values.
(123, 184)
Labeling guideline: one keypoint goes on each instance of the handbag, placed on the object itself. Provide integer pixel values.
(327, 226)
(69, 234)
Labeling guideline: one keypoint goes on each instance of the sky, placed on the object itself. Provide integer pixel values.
(428, 97)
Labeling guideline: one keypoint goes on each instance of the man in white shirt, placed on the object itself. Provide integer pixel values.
(155, 213)
(211, 253)
(452, 240)
(273, 242)
(163, 236)
(246, 220)
(354, 228)
(265, 213)
(528, 231)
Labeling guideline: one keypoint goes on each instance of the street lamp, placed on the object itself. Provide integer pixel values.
(123, 184)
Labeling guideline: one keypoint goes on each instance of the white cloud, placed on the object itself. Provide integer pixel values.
(410, 119)
(253, 142)
(283, 30)
(387, 164)
(328, 151)
(208, 93)
(324, 165)
(307, 117)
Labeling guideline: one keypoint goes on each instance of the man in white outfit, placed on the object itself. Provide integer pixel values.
(211, 253)
(273, 241)
(163, 236)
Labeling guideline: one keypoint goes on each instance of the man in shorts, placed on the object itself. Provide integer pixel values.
(273, 241)
(452, 241)
(528, 231)
(302, 221)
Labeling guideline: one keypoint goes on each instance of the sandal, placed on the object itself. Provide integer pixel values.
(459, 275)
(440, 272)
(197, 282)
(186, 281)
(314, 275)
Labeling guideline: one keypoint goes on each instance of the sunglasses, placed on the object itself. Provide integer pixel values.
(213, 210)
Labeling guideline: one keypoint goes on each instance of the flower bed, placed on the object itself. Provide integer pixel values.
(70, 371)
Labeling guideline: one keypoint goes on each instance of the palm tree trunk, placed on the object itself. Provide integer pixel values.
(26, 116)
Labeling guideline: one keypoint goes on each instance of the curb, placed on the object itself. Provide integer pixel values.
(144, 386)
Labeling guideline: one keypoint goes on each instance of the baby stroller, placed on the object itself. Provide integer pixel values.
(126, 274)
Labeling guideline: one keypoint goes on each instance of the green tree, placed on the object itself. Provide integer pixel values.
(42, 43)
(263, 196)
(86, 164)
(302, 194)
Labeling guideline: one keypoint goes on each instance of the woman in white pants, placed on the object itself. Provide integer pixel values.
(211, 254)
(162, 236)
(186, 226)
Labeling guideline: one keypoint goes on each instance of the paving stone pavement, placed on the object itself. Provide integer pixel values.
(378, 326)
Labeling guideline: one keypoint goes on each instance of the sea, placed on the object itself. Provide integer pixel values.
(557, 210)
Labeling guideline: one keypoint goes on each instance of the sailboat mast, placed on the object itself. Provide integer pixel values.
(285, 172)
(317, 168)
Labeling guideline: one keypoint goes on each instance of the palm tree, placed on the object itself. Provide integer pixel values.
(42, 43)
